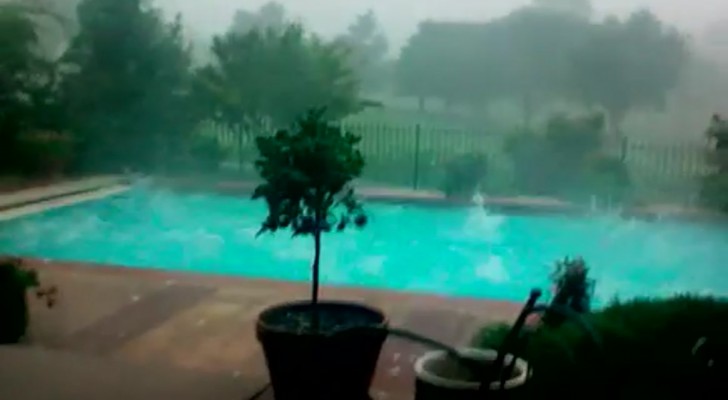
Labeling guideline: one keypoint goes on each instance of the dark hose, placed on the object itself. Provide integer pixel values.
(451, 351)
(569, 314)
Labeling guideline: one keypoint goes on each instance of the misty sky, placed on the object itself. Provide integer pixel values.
(400, 17)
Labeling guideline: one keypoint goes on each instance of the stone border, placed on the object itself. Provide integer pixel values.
(35, 207)
(517, 205)
(57, 190)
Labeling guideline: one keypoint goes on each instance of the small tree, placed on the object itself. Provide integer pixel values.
(307, 176)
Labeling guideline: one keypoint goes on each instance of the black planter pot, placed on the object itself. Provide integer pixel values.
(13, 310)
(321, 366)
(439, 377)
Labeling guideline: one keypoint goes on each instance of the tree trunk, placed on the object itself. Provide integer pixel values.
(421, 104)
(315, 267)
(315, 325)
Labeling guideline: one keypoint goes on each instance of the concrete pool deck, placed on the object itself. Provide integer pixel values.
(206, 324)
(116, 327)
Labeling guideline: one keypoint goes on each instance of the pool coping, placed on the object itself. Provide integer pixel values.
(515, 205)
(172, 276)
(58, 190)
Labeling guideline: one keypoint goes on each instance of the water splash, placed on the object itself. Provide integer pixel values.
(481, 225)
(493, 270)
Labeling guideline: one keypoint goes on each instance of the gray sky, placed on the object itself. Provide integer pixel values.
(400, 17)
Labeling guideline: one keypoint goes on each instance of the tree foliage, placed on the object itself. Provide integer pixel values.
(271, 16)
(26, 83)
(275, 76)
(565, 160)
(128, 90)
(544, 52)
(369, 49)
(307, 175)
(715, 186)
(628, 64)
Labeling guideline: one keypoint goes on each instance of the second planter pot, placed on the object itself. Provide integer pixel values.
(439, 376)
(320, 366)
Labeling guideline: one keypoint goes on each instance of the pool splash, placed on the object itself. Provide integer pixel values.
(448, 251)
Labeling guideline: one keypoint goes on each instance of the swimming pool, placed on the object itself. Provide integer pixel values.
(441, 250)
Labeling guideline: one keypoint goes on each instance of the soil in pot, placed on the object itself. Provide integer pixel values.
(305, 363)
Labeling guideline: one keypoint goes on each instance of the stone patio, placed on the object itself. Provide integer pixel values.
(205, 324)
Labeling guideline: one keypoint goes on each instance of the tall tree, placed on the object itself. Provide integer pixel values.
(581, 8)
(27, 83)
(467, 76)
(54, 20)
(129, 92)
(369, 50)
(532, 48)
(628, 64)
(271, 15)
(273, 77)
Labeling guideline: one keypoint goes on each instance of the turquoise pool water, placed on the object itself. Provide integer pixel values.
(442, 250)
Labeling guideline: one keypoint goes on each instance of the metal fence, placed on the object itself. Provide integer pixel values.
(413, 156)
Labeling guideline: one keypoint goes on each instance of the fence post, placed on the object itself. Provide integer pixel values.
(240, 147)
(416, 172)
(623, 145)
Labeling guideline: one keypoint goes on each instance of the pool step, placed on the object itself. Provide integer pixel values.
(34, 207)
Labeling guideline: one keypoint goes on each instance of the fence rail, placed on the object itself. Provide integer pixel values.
(414, 155)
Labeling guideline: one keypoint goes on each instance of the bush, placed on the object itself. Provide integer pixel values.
(464, 174)
(198, 154)
(715, 191)
(648, 351)
(564, 160)
(607, 178)
(572, 289)
(14, 282)
(45, 154)
(206, 154)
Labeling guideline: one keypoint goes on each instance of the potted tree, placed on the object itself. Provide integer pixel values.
(307, 187)
(15, 281)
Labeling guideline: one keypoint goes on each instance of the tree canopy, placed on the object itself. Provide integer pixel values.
(26, 82)
(271, 15)
(628, 64)
(275, 76)
(128, 83)
(548, 51)
(369, 48)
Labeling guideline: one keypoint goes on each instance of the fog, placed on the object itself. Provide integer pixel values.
(510, 87)
(400, 17)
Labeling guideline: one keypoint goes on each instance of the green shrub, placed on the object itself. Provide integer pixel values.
(715, 191)
(206, 154)
(607, 178)
(198, 153)
(464, 174)
(14, 282)
(646, 352)
(572, 289)
(558, 161)
(45, 153)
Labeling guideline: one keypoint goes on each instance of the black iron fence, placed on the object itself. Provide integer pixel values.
(413, 156)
